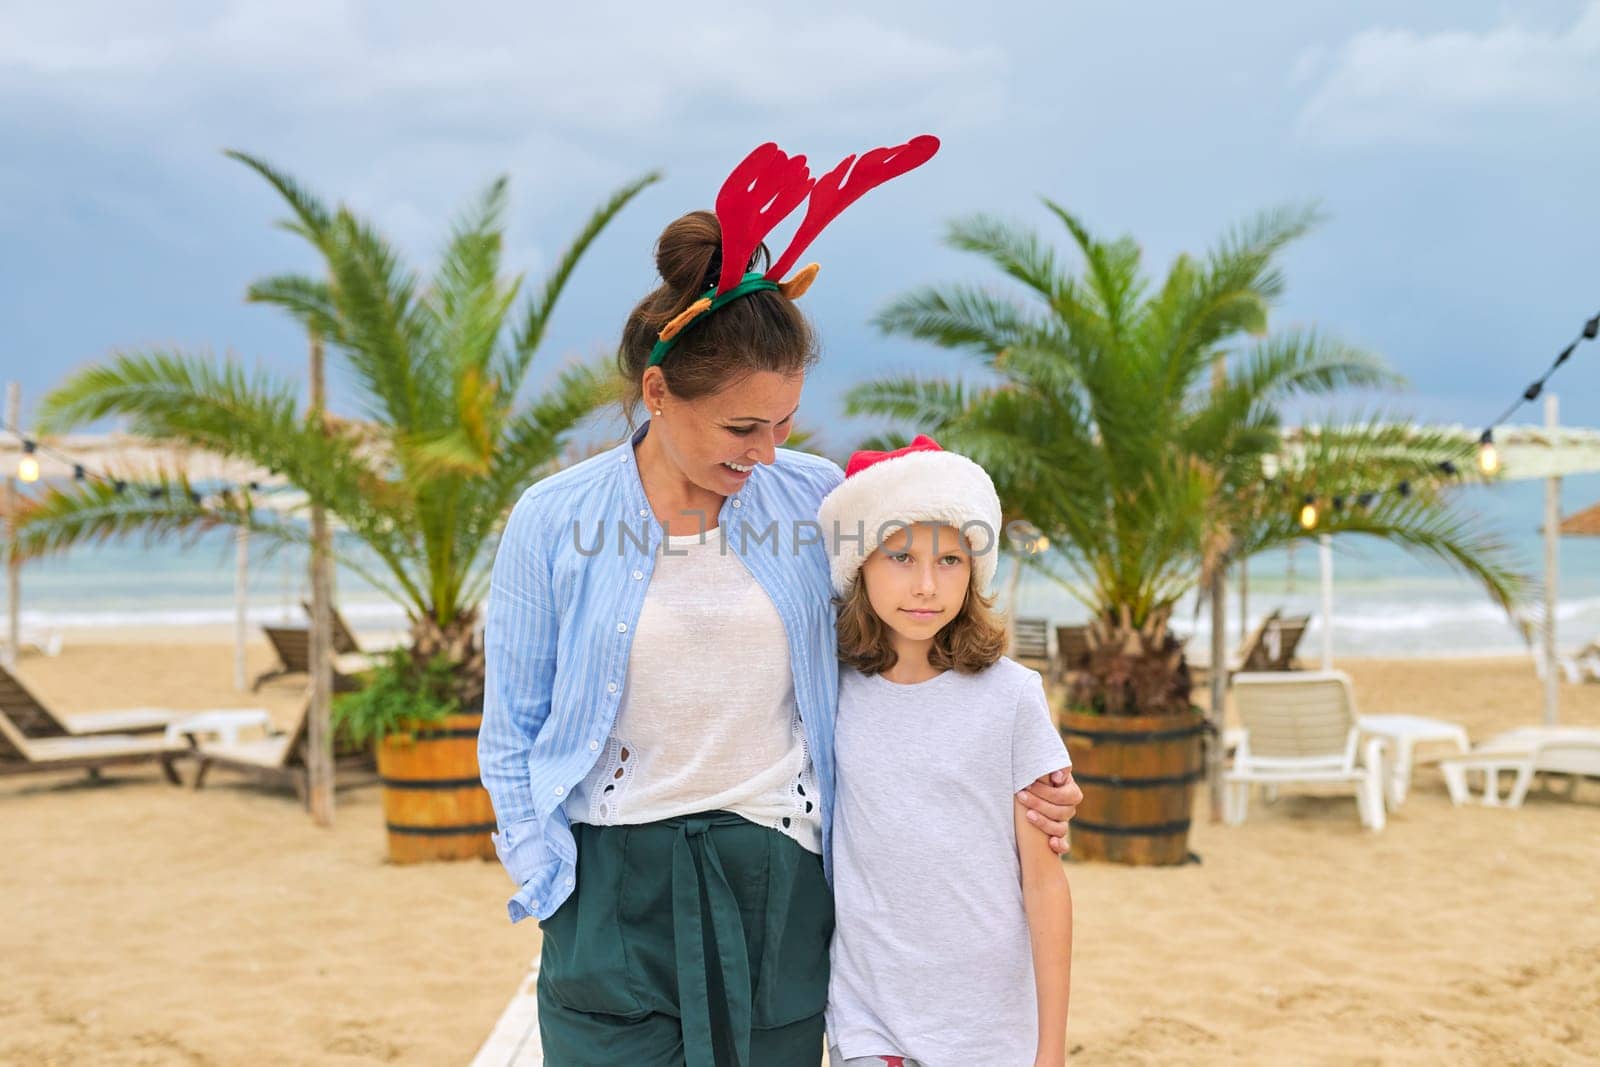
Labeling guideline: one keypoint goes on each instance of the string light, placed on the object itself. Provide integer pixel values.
(1311, 513)
(1308, 513)
(1489, 460)
(1488, 455)
(1026, 537)
(28, 467)
(29, 471)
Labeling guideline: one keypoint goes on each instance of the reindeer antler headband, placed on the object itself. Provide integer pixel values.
(760, 193)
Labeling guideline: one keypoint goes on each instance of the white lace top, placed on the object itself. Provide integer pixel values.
(708, 719)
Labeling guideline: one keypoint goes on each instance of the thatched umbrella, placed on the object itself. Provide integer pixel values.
(1585, 523)
(130, 458)
(136, 459)
(1526, 453)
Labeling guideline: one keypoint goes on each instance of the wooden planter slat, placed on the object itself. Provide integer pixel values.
(1137, 773)
(433, 802)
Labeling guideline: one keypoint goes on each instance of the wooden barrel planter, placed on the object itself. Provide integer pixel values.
(1137, 773)
(433, 802)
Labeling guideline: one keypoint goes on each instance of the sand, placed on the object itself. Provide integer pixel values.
(145, 924)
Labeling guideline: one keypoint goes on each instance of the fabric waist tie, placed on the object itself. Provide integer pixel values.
(709, 934)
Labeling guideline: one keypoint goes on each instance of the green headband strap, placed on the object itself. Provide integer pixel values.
(754, 282)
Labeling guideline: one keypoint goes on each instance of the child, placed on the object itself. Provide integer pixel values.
(952, 945)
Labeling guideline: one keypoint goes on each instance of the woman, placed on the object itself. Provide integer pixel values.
(658, 719)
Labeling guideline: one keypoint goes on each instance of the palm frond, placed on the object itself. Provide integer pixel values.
(529, 446)
(1246, 256)
(171, 394)
(1114, 277)
(932, 405)
(380, 339)
(1307, 363)
(1424, 523)
(312, 218)
(960, 317)
(467, 298)
(536, 315)
(310, 301)
(1230, 296)
(1017, 252)
(1106, 430)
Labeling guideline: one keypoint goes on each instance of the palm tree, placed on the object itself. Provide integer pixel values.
(422, 482)
(1138, 426)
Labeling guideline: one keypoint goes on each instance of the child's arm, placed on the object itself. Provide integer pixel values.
(1047, 900)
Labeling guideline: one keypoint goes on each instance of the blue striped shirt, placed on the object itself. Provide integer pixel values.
(569, 579)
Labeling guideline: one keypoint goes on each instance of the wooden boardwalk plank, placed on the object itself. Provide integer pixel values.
(514, 1041)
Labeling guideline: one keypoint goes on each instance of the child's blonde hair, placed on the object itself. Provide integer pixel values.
(973, 640)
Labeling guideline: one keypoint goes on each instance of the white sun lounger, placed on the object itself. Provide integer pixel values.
(47, 643)
(1402, 734)
(1525, 752)
(1582, 665)
(1301, 727)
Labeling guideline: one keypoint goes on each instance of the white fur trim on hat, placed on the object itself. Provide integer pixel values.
(902, 490)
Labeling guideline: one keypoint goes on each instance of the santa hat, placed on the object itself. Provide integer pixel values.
(884, 491)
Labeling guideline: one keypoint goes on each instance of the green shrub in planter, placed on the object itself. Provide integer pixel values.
(400, 694)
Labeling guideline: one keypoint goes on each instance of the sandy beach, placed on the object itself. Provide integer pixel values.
(146, 924)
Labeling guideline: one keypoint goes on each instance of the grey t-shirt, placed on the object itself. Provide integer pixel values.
(931, 956)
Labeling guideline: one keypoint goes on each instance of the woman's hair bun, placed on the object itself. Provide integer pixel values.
(763, 331)
(689, 254)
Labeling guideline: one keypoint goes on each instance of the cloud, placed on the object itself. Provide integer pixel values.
(1386, 86)
(407, 107)
(1310, 63)
(609, 67)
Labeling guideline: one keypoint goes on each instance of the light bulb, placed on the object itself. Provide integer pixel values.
(1041, 545)
(28, 469)
(1308, 515)
(1488, 457)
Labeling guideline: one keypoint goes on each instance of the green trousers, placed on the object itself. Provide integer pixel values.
(698, 941)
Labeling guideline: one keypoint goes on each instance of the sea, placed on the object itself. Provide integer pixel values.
(1387, 601)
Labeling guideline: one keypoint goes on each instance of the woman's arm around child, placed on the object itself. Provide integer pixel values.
(1047, 900)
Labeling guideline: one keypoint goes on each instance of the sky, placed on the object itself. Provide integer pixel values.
(1454, 146)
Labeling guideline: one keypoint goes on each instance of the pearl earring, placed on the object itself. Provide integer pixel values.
(658, 411)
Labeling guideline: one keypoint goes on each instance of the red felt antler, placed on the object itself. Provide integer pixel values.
(759, 194)
(831, 195)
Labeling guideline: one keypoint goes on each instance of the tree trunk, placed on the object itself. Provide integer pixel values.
(457, 642)
(319, 725)
(13, 560)
(1219, 648)
(1219, 691)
